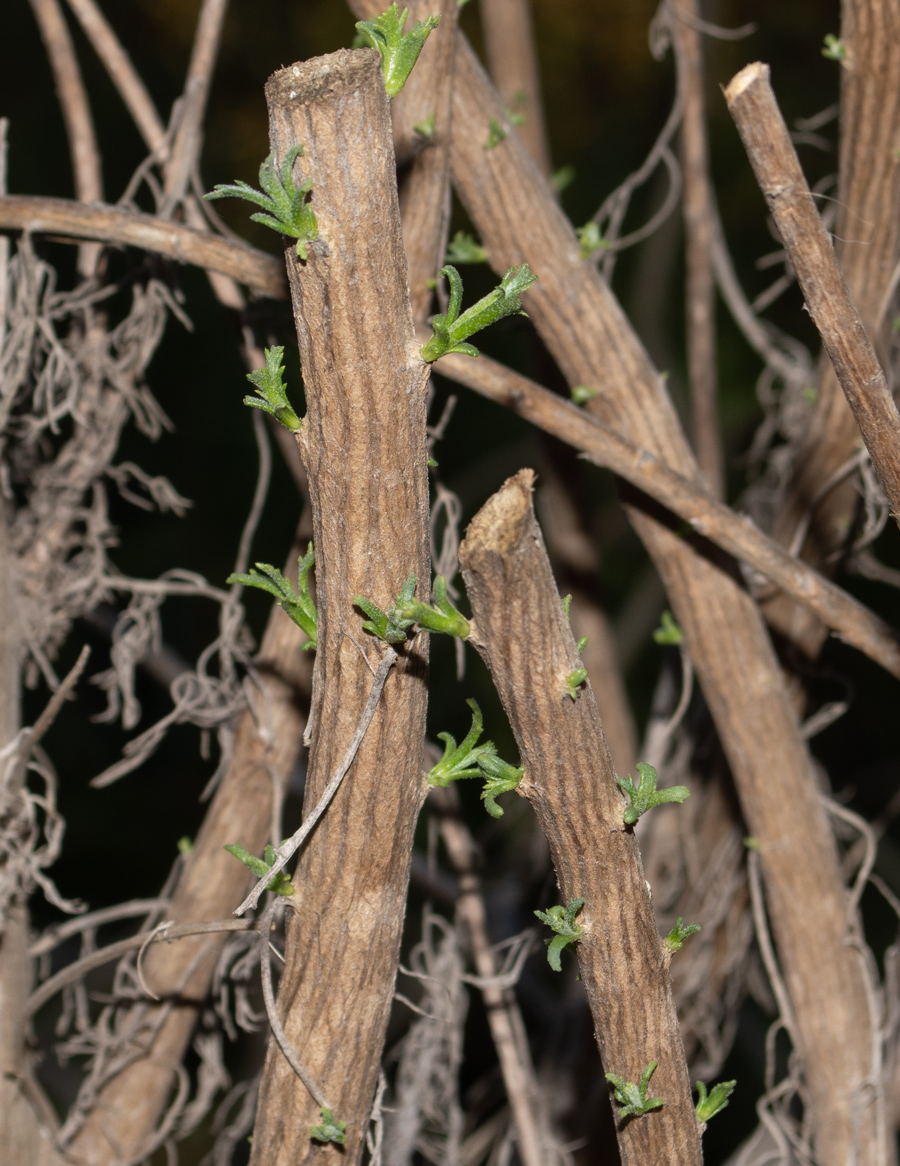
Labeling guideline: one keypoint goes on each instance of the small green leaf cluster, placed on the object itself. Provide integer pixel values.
(465, 248)
(563, 178)
(674, 941)
(330, 1130)
(280, 884)
(442, 617)
(591, 239)
(668, 632)
(496, 134)
(300, 606)
(287, 207)
(581, 394)
(633, 1098)
(450, 332)
(562, 921)
(469, 759)
(709, 1104)
(399, 50)
(645, 796)
(834, 48)
(576, 677)
(271, 391)
(388, 626)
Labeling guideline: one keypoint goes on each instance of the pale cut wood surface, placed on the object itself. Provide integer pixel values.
(526, 642)
(517, 218)
(364, 449)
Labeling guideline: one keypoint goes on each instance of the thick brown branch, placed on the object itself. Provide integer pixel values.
(364, 449)
(512, 61)
(698, 215)
(517, 218)
(737, 535)
(752, 104)
(524, 637)
(107, 224)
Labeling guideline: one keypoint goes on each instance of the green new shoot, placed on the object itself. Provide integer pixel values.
(399, 50)
(388, 626)
(633, 1098)
(280, 884)
(668, 632)
(442, 617)
(464, 248)
(562, 921)
(330, 1130)
(461, 761)
(645, 796)
(300, 606)
(499, 778)
(709, 1104)
(674, 941)
(286, 206)
(271, 391)
(450, 332)
(576, 678)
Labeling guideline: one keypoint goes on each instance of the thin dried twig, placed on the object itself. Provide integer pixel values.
(752, 104)
(737, 535)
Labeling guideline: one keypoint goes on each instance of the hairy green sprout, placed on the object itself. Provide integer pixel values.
(330, 1130)
(449, 332)
(496, 134)
(562, 921)
(668, 631)
(271, 391)
(286, 207)
(299, 606)
(499, 778)
(575, 679)
(442, 617)
(591, 238)
(464, 248)
(390, 625)
(834, 48)
(674, 941)
(709, 1104)
(633, 1098)
(461, 761)
(581, 394)
(399, 50)
(280, 884)
(645, 796)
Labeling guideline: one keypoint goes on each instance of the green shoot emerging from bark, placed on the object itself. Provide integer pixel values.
(591, 239)
(834, 49)
(575, 679)
(464, 248)
(426, 127)
(451, 331)
(399, 50)
(461, 761)
(709, 1104)
(442, 617)
(562, 921)
(674, 941)
(645, 796)
(271, 391)
(499, 778)
(633, 1098)
(581, 394)
(668, 631)
(260, 867)
(300, 607)
(496, 134)
(582, 642)
(389, 626)
(286, 206)
(330, 1130)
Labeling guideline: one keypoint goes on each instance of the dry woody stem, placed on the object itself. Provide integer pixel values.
(752, 104)
(365, 389)
(584, 328)
(525, 640)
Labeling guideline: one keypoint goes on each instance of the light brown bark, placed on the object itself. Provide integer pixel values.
(752, 104)
(521, 631)
(210, 886)
(512, 62)
(364, 445)
(700, 298)
(585, 330)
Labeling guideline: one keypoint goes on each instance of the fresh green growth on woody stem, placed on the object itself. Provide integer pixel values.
(388, 626)
(645, 796)
(442, 617)
(450, 332)
(709, 1104)
(399, 51)
(562, 921)
(499, 778)
(280, 884)
(461, 761)
(300, 607)
(465, 248)
(271, 391)
(330, 1130)
(633, 1098)
(286, 206)
(668, 631)
(574, 681)
(674, 941)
